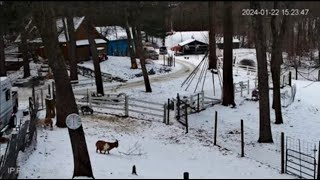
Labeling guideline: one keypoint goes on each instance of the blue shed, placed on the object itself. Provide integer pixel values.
(118, 47)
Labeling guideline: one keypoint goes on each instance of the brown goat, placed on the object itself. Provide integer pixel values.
(106, 146)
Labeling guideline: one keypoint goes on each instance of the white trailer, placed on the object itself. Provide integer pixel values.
(7, 103)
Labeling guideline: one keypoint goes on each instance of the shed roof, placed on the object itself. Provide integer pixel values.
(188, 41)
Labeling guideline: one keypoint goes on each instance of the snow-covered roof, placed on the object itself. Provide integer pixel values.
(76, 20)
(86, 42)
(187, 42)
(234, 40)
(181, 36)
(112, 32)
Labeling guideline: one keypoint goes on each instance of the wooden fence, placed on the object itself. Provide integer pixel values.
(123, 105)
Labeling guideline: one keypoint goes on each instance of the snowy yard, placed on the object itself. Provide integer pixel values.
(166, 151)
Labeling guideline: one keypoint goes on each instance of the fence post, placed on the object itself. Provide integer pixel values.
(248, 86)
(202, 99)
(126, 106)
(164, 112)
(319, 75)
(289, 78)
(168, 112)
(41, 98)
(282, 152)
(49, 90)
(178, 106)
(215, 128)
(318, 176)
(198, 103)
(33, 96)
(186, 117)
(241, 87)
(242, 140)
(185, 175)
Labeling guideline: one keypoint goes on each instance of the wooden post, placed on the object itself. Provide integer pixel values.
(185, 175)
(178, 106)
(248, 86)
(318, 176)
(126, 106)
(49, 90)
(164, 113)
(282, 152)
(198, 105)
(289, 78)
(33, 96)
(242, 140)
(174, 61)
(168, 110)
(202, 99)
(241, 87)
(319, 75)
(42, 98)
(186, 117)
(215, 128)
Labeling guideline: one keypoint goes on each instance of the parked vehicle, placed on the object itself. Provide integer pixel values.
(8, 104)
(163, 50)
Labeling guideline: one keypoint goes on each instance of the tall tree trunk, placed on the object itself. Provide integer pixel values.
(130, 43)
(44, 17)
(72, 49)
(95, 58)
(265, 135)
(3, 71)
(140, 52)
(228, 89)
(134, 37)
(212, 36)
(276, 61)
(25, 57)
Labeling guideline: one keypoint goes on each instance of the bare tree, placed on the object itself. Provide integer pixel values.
(44, 17)
(130, 40)
(276, 60)
(228, 89)
(136, 29)
(95, 58)
(3, 71)
(24, 50)
(265, 135)
(72, 48)
(212, 36)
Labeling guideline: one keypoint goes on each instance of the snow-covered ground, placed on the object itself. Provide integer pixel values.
(119, 66)
(166, 151)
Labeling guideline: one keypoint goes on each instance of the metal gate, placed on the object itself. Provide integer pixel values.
(300, 164)
(301, 158)
(182, 112)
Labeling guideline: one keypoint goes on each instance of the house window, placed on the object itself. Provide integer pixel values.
(8, 95)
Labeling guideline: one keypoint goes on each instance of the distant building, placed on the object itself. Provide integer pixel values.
(117, 44)
(83, 51)
(235, 43)
(192, 46)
